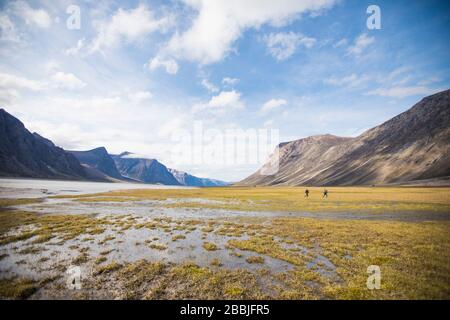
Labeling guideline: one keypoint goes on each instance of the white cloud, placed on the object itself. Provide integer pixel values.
(272, 104)
(282, 45)
(10, 85)
(9, 81)
(220, 23)
(8, 31)
(128, 25)
(8, 96)
(362, 42)
(67, 80)
(84, 122)
(37, 17)
(269, 123)
(397, 72)
(75, 50)
(340, 43)
(171, 126)
(51, 66)
(224, 100)
(227, 81)
(139, 96)
(405, 91)
(209, 86)
(429, 80)
(350, 81)
(88, 105)
(170, 65)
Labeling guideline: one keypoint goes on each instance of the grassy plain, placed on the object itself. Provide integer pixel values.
(340, 199)
(414, 257)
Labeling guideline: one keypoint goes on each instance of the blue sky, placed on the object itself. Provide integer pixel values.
(135, 72)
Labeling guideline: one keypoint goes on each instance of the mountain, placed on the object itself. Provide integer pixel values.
(143, 170)
(151, 171)
(98, 162)
(186, 179)
(27, 154)
(409, 147)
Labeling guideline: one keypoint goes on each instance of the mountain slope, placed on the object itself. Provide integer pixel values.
(186, 179)
(98, 159)
(29, 155)
(25, 154)
(411, 146)
(143, 170)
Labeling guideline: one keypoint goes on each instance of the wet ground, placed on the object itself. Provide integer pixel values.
(175, 236)
(35, 188)
(158, 207)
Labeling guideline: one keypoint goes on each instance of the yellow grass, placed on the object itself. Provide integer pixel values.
(6, 202)
(414, 258)
(340, 199)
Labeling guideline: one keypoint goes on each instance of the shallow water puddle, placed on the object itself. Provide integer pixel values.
(161, 244)
(160, 207)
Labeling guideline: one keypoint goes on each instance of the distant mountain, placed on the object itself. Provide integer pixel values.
(143, 170)
(99, 162)
(414, 145)
(189, 180)
(27, 154)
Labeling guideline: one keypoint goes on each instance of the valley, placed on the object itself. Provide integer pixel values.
(94, 225)
(226, 243)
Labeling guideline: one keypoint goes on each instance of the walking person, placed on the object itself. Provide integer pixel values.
(325, 194)
(306, 193)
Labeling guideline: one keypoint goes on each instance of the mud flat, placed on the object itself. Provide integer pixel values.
(32, 188)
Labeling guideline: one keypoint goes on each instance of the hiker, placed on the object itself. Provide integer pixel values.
(306, 193)
(325, 193)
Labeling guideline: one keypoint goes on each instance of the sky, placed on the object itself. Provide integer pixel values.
(145, 76)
